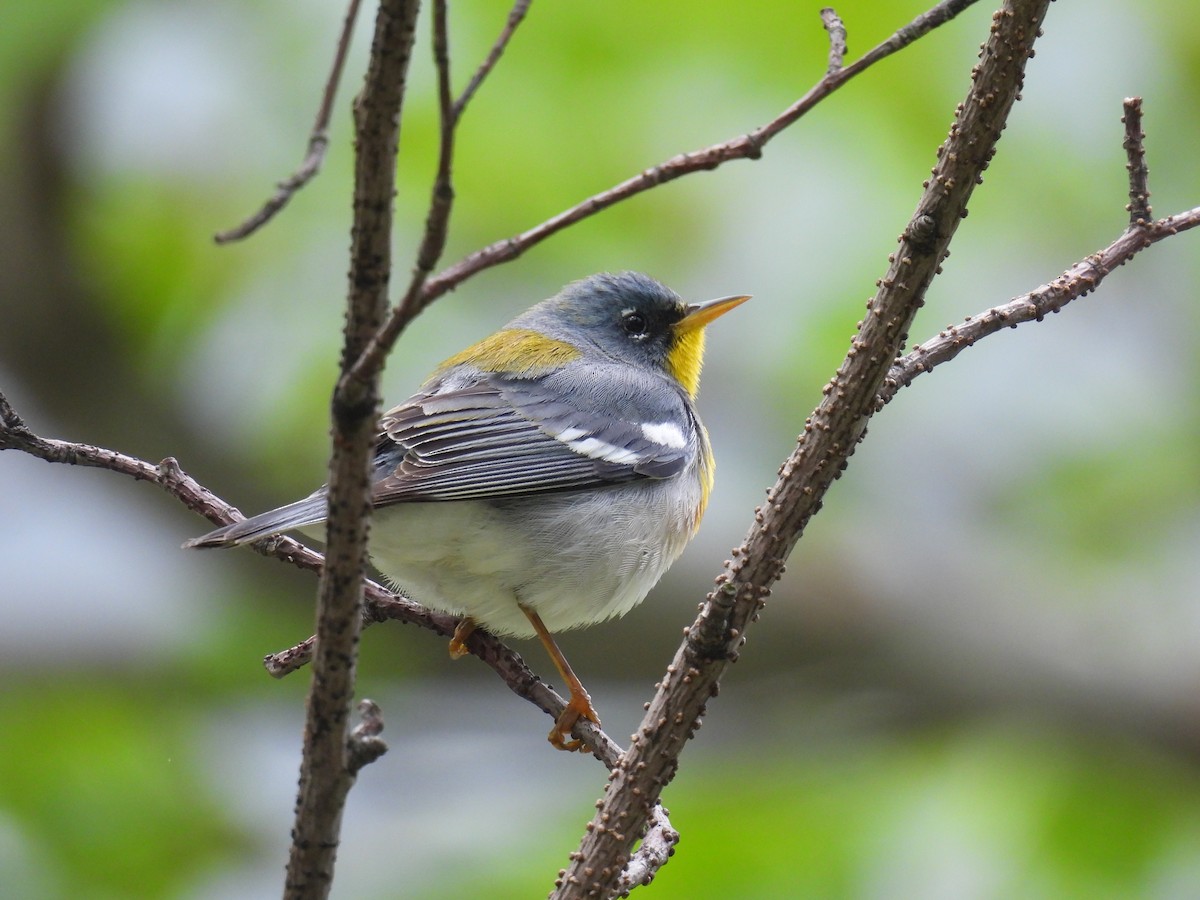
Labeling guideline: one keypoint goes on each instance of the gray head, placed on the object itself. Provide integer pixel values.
(633, 318)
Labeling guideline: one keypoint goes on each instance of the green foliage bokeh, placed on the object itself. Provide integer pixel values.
(112, 771)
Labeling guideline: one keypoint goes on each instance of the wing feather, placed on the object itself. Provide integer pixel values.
(497, 436)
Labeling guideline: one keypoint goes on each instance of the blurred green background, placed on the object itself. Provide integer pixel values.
(980, 677)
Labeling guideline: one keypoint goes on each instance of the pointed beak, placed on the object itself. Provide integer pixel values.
(697, 315)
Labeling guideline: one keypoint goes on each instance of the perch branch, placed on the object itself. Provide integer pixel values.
(505, 662)
(318, 143)
(830, 436)
(381, 604)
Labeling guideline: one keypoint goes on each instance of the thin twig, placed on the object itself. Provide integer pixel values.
(441, 201)
(515, 15)
(837, 38)
(1135, 152)
(318, 143)
(1077, 281)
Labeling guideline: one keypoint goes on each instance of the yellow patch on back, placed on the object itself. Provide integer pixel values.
(516, 351)
(686, 358)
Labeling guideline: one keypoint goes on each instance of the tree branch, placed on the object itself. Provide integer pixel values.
(318, 143)
(327, 770)
(831, 434)
(1078, 281)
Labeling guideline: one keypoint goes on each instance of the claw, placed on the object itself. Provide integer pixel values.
(458, 643)
(579, 707)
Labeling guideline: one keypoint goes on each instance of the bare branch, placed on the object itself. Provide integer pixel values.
(917, 28)
(515, 15)
(14, 435)
(1139, 176)
(831, 434)
(1079, 280)
(318, 143)
(437, 221)
(837, 38)
(381, 604)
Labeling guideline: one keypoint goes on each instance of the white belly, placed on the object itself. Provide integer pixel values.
(574, 557)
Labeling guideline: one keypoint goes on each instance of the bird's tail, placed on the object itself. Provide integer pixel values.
(308, 511)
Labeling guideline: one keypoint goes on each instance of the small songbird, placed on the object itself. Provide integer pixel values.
(546, 477)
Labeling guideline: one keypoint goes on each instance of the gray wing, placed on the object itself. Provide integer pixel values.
(498, 436)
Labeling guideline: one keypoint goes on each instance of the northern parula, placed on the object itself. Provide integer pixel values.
(546, 477)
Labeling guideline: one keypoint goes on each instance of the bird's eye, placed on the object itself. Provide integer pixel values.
(634, 323)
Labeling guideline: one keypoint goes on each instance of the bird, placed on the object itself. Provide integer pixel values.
(544, 478)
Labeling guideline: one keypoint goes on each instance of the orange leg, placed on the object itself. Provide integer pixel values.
(580, 704)
(458, 643)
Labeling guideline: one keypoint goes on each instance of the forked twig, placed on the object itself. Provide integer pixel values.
(1078, 281)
